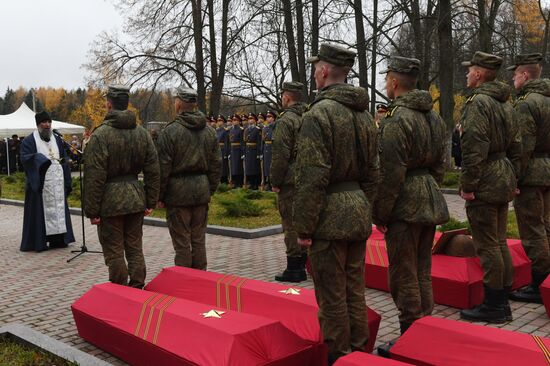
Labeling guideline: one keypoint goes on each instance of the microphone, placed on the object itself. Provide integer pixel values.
(57, 133)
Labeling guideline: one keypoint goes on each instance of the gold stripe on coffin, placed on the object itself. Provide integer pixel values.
(161, 313)
(154, 304)
(143, 308)
(227, 280)
(543, 348)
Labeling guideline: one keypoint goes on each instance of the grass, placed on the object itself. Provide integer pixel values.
(512, 231)
(451, 179)
(240, 208)
(15, 354)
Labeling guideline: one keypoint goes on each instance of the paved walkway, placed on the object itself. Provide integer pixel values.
(38, 288)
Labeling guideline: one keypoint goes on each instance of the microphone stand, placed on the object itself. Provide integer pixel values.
(83, 249)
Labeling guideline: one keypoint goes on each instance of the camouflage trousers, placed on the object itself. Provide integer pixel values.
(285, 200)
(338, 271)
(488, 225)
(187, 226)
(120, 236)
(410, 263)
(532, 208)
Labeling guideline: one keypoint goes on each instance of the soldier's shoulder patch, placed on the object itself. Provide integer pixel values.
(391, 111)
(471, 98)
(282, 114)
(524, 96)
(258, 127)
(242, 128)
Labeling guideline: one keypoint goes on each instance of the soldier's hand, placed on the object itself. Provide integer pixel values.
(148, 211)
(304, 242)
(276, 189)
(467, 196)
(95, 221)
(160, 204)
(382, 228)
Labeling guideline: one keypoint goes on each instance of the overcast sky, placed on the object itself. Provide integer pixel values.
(44, 42)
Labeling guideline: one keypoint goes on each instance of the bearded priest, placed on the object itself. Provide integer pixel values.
(46, 217)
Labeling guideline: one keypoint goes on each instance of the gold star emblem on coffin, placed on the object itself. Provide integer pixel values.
(213, 314)
(291, 291)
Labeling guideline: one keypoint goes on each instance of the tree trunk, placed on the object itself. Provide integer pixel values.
(361, 43)
(199, 60)
(219, 78)
(374, 56)
(214, 107)
(291, 44)
(314, 43)
(301, 44)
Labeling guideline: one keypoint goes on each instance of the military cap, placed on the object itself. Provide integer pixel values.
(402, 65)
(273, 114)
(292, 86)
(41, 117)
(221, 117)
(261, 115)
(187, 95)
(252, 115)
(526, 59)
(485, 60)
(236, 116)
(334, 54)
(116, 91)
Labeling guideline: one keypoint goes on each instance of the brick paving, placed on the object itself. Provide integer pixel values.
(38, 288)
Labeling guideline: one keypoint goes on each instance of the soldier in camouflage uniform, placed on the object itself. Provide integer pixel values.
(236, 155)
(222, 135)
(532, 205)
(267, 152)
(253, 148)
(409, 203)
(190, 167)
(282, 177)
(336, 173)
(113, 198)
(491, 149)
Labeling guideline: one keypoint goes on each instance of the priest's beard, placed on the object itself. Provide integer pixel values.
(45, 134)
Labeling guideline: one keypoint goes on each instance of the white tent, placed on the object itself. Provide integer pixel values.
(22, 123)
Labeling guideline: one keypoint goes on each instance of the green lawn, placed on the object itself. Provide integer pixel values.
(15, 354)
(512, 231)
(236, 208)
(451, 179)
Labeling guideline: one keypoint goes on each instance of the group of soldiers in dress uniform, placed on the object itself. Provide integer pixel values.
(245, 147)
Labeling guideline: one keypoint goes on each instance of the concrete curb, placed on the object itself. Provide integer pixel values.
(233, 232)
(25, 335)
(450, 190)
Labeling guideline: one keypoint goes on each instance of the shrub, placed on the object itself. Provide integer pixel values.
(222, 188)
(252, 195)
(240, 206)
(451, 179)
(454, 224)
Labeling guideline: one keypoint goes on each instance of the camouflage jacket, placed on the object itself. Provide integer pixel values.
(491, 144)
(533, 115)
(337, 166)
(117, 152)
(412, 160)
(284, 145)
(190, 161)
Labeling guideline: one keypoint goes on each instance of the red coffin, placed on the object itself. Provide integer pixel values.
(545, 293)
(364, 359)
(147, 328)
(297, 312)
(456, 281)
(435, 342)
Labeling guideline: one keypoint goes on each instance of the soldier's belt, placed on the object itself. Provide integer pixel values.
(235, 144)
(123, 178)
(496, 156)
(418, 171)
(541, 155)
(340, 187)
(268, 142)
(186, 174)
(251, 144)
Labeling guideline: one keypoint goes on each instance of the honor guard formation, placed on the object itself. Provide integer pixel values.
(337, 170)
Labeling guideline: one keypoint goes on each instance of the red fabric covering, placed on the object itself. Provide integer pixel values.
(297, 312)
(456, 281)
(363, 359)
(545, 292)
(146, 328)
(432, 341)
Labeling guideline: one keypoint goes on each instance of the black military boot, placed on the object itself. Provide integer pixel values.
(384, 349)
(530, 293)
(490, 311)
(294, 271)
(506, 304)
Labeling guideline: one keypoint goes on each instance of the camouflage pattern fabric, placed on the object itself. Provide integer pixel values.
(190, 161)
(337, 171)
(410, 203)
(284, 145)
(117, 152)
(491, 151)
(187, 226)
(285, 199)
(532, 205)
(120, 236)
